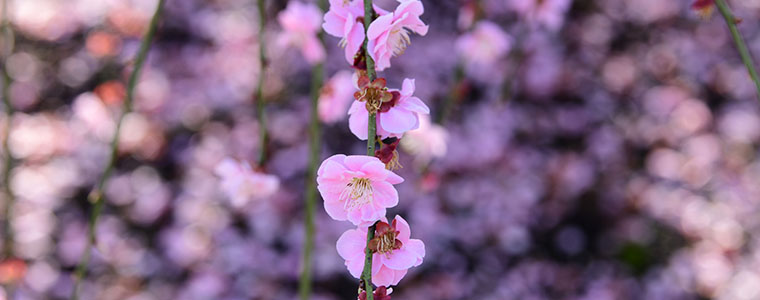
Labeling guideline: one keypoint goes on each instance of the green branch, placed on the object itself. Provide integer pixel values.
(317, 80)
(260, 107)
(10, 198)
(96, 196)
(369, 15)
(739, 41)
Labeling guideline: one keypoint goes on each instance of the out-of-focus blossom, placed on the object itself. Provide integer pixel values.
(345, 20)
(388, 35)
(426, 142)
(484, 45)
(335, 97)
(703, 7)
(395, 117)
(241, 183)
(394, 251)
(302, 23)
(547, 13)
(357, 188)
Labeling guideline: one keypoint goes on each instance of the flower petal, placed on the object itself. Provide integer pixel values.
(400, 259)
(358, 120)
(351, 243)
(397, 120)
(335, 210)
(358, 162)
(385, 194)
(415, 104)
(404, 230)
(418, 247)
(379, 26)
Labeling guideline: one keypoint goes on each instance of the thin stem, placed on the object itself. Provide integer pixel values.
(304, 285)
(260, 107)
(317, 79)
(10, 198)
(96, 196)
(369, 15)
(739, 41)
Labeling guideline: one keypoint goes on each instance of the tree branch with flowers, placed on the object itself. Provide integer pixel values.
(359, 188)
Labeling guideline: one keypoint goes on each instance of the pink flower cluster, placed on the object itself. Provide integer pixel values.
(388, 35)
(359, 188)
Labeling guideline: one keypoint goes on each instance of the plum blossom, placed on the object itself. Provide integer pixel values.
(394, 117)
(335, 97)
(241, 183)
(548, 13)
(388, 35)
(301, 23)
(394, 251)
(345, 20)
(486, 44)
(357, 188)
(426, 142)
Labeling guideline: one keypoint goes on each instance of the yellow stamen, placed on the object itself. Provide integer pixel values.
(357, 193)
(386, 243)
(394, 164)
(399, 40)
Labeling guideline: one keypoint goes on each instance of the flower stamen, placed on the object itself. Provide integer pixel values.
(357, 193)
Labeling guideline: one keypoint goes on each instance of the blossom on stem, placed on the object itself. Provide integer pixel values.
(335, 97)
(345, 20)
(548, 13)
(394, 252)
(388, 35)
(301, 23)
(241, 183)
(357, 188)
(394, 117)
(485, 45)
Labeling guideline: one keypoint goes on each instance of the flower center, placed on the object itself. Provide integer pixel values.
(357, 193)
(386, 242)
(399, 40)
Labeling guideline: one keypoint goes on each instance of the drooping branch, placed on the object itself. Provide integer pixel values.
(260, 104)
(317, 80)
(731, 21)
(96, 196)
(7, 44)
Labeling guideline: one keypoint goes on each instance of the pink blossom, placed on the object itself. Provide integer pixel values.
(548, 13)
(301, 23)
(482, 47)
(394, 118)
(357, 188)
(394, 251)
(241, 183)
(388, 35)
(345, 20)
(426, 142)
(335, 97)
